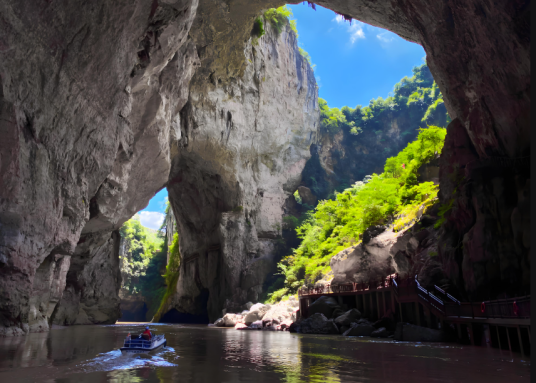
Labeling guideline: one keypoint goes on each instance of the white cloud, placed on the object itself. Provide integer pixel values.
(356, 32)
(355, 28)
(385, 37)
(339, 19)
(151, 219)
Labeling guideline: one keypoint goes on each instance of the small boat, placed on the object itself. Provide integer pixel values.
(139, 345)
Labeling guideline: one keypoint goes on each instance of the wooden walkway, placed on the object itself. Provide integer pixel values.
(408, 301)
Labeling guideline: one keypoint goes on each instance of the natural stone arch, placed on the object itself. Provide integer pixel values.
(79, 115)
(490, 116)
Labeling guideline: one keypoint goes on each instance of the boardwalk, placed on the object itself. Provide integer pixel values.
(500, 323)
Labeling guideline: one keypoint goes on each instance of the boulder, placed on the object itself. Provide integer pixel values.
(385, 322)
(280, 312)
(230, 320)
(348, 317)
(294, 327)
(412, 333)
(285, 325)
(318, 324)
(240, 326)
(359, 330)
(252, 316)
(261, 308)
(370, 260)
(307, 195)
(380, 333)
(343, 329)
(256, 325)
(219, 322)
(323, 305)
(337, 313)
(247, 306)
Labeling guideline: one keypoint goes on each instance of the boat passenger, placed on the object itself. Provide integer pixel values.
(147, 335)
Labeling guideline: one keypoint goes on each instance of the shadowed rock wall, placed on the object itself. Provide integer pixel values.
(90, 94)
(88, 91)
(240, 151)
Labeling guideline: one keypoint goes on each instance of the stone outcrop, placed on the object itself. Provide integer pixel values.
(348, 317)
(359, 329)
(324, 305)
(93, 93)
(411, 333)
(371, 260)
(238, 156)
(317, 324)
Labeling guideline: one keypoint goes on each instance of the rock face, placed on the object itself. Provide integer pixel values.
(371, 260)
(317, 324)
(92, 94)
(359, 329)
(238, 156)
(307, 196)
(412, 333)
(348, 317)
(85, 125)
(323, 305)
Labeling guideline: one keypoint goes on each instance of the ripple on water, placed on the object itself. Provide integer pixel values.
(116, 360)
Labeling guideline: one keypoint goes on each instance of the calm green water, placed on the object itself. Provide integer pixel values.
(207, 354)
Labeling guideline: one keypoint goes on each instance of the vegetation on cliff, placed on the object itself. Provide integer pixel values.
(278, 18)
(171, 276)
(145, 269)
(368, 135)
(392, 196)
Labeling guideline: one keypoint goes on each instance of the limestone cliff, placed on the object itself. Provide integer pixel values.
(85, 124)
(89, 92)
(239, 154)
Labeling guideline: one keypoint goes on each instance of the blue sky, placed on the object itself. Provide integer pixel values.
(153, 215)
(354, 63)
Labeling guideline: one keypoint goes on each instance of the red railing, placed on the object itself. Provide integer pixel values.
(440, 301)
(347, 287)
(501, 308)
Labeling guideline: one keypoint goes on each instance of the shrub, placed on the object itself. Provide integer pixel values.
(258, 27)
(337, 224)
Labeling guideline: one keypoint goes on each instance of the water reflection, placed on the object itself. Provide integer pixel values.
(199, 354)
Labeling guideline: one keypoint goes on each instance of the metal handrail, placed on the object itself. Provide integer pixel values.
(446, 303)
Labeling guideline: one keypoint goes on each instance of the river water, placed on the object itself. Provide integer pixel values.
(208, 354)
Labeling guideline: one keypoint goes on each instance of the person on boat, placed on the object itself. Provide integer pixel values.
(147, 335)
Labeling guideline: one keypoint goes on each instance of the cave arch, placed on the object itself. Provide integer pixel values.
(67, 109)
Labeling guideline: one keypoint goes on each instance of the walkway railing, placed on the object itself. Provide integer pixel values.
(347, 287)
(439, 300)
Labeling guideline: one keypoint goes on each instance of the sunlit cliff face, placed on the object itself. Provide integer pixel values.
(94, 95)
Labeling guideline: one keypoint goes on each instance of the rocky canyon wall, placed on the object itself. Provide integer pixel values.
(239, 154)
(96, 118)
(88, 92)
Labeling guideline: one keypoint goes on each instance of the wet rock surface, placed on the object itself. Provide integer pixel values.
(359, 329)
(412, 333)
(317, 324)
